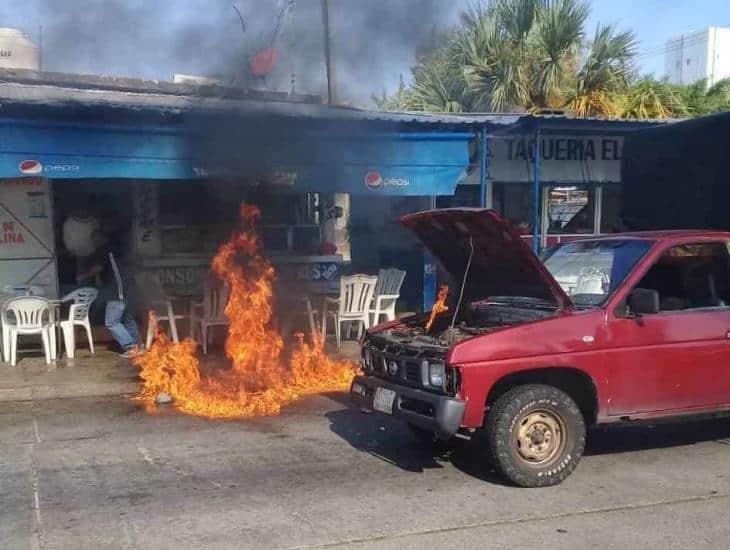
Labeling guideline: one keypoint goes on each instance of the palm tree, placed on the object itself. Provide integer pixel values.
(701, 100)
(651, 98)
(519, 53)
(402, 100)
(606, 73)
(439, 84)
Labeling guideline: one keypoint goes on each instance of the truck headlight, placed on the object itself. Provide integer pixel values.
(393, 368)
(436, 374)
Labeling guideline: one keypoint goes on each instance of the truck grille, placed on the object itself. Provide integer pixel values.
(413, 372)
(409, 372)
(412, 364)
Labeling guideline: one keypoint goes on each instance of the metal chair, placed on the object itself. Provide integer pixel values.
(356, 295)
(78, 315)
(31, 315)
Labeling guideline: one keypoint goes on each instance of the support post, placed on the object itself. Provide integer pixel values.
(536, 194)
(328, 52)
(484, 200)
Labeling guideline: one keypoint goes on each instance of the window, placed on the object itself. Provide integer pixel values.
(196, 216)
(514, 201)
(611, 209)
(571, 210)
(691, 276)
(589, 271)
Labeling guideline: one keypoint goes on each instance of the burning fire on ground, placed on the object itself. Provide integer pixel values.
(260, 380)
(439, 306)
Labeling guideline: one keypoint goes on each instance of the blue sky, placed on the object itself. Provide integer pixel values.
(655, 21)
(154, 38)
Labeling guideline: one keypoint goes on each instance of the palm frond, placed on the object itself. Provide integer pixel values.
(650, 98)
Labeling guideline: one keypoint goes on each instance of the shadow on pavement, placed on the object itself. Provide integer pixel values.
(391, 441)
(641, 437)
(383, 438)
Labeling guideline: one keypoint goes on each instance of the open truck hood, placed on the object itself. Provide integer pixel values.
(502, 265)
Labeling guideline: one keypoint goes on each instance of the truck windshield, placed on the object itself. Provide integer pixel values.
(589, 271)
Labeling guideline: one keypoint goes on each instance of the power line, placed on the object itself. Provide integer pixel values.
(673, 47)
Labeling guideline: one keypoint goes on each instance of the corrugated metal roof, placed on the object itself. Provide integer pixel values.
(31, 88)
(50, 95)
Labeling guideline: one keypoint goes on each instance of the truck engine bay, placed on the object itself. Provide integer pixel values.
(410, 355)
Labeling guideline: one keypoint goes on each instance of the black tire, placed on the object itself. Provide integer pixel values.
(536, 435)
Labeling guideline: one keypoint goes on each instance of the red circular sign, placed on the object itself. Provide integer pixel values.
(373, 180)
(30, 167)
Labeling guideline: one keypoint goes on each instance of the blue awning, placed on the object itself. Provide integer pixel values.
(419, 163)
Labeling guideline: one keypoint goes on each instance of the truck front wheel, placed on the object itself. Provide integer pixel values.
(536, 435)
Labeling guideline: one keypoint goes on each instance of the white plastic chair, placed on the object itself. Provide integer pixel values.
(210, 312)
(387, 292)
(356, 295)
(592, 280)
(78, 315)
(161, 305)
(31, 315)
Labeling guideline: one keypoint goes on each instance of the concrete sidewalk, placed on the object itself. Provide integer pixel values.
(102, 374)
(99, 375)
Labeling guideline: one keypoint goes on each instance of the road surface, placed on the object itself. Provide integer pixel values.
(102, 473)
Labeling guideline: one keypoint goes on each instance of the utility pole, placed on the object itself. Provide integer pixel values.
(681, 60)
(328, 52)
(40, 47)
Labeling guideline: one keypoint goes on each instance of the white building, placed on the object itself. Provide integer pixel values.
(699, 55)
(17, 51)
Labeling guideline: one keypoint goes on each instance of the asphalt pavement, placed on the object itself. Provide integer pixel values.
(102, 473)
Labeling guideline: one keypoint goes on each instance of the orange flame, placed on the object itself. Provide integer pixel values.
(439, 307)
(259, 381)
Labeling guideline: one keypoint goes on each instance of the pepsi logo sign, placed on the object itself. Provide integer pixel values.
(373, 180)
(30, 167)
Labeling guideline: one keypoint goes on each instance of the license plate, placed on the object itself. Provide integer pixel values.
(357, 388)
(383, 400)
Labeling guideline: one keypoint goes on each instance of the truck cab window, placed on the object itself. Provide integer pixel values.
(691, 276)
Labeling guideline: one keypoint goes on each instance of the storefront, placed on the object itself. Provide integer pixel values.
(167, 171)
(167, 182)
(557, 178)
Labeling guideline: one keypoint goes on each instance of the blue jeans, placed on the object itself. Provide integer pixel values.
(121, 324)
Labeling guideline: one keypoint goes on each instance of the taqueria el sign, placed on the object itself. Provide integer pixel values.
(563, 158)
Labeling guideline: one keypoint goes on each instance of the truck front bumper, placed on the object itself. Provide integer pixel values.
(440, 414)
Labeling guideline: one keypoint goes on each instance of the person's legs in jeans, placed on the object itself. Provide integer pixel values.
(121, 324)
(131, 325)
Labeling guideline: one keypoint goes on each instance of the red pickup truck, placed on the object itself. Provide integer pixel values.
(531, 352)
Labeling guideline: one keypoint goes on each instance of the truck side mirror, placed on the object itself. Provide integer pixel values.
(643, 301)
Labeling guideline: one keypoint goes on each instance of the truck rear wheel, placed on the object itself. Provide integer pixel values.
(536, 435)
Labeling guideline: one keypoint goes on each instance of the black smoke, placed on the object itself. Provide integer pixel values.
(373, 41)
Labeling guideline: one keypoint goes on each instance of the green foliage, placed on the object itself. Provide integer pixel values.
(527, 55)
(651, 98)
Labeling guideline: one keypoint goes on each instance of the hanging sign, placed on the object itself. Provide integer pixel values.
(563, 158)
